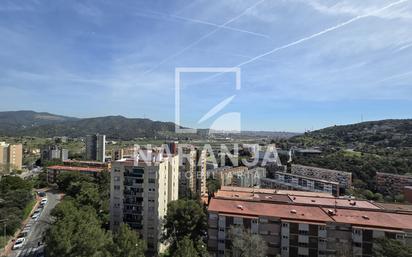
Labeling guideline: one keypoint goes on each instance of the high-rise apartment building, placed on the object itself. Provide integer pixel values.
(96, 147)
(140, 192)
(11, 156)
(193, 172)
(54, 152)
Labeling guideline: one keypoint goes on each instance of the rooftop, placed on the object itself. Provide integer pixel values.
(274, 191)
(71, 168)
(379, 218)
(285, 211)
(338, 202)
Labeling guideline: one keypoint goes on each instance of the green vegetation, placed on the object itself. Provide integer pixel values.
(185, 221)
(362, 149)
(28, 123)
(16, 200)
(245, 244)
(28, 208)
(391, 248)
(81, 222)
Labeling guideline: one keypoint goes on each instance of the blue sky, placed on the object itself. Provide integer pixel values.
(305, 64)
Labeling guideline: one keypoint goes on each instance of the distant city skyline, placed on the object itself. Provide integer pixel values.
(304, 64)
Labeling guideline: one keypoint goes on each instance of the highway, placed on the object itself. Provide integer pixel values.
(33, 246)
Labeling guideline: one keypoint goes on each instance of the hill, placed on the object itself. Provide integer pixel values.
(383, 133)
(13, 121)
(29, 123)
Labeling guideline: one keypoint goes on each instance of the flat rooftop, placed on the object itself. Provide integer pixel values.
(71, 168)
(338, 202)
(274, 191)
(253, 196)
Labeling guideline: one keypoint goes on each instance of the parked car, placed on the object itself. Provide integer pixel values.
(19, 243)
(43, 201)
(35, 215)
(41, 194)
(23, 233)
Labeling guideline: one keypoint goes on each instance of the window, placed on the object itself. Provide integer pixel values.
(303, 232)
(284, 248)
(285, 237)
(116, 187)
(285, 225)
(152, 180)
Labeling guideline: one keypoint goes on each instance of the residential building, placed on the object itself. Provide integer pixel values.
(11, 156)
(4, 153)
(283, 180)
(225, 174)
(54, 152)
(94, 164)
(342, 177)
(392, 184)
(96, 147)
(193, 172)
(140, 191)
(304, 225)
(249, 178)
(117, 154)
(55, 170)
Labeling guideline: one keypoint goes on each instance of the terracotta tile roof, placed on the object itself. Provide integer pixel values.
(373, 218)
(284, 211)
(71, 168)
(321, 201)
(274, 191)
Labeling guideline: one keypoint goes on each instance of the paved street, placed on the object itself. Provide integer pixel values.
(31, 247)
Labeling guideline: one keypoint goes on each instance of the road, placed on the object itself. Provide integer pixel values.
(31, 247)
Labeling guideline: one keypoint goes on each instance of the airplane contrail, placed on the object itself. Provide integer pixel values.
(202, 38)
(322, 32)
(217, 25)
(165, 16)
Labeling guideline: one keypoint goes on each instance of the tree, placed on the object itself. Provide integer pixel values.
(184, 218)
(68, 179)
(245, 244)
(88, 195)
(385, 247)
(126, 243)
(77, 233)
(187, 248)
(213, 185)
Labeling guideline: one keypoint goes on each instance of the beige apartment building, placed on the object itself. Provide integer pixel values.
(299, 225)
(140, 191)
(11, 156)
(193, 172)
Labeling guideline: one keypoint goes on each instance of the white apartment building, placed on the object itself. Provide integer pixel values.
(140, 191)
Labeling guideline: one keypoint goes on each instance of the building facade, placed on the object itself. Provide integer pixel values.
(11, 156)
(96, 147)
(283, 180)
(139, 194)
(193, 173)
(392, 184)
(342, 177)
(54, 152)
